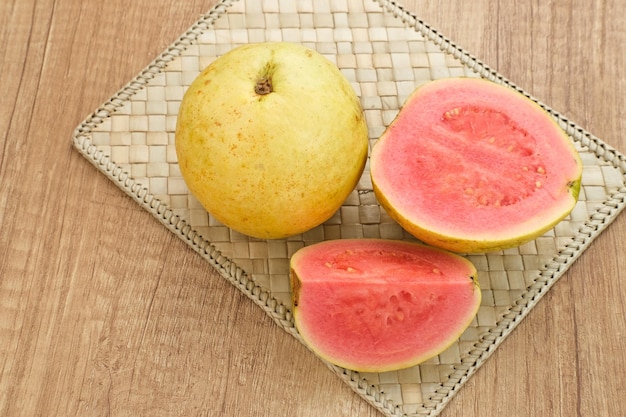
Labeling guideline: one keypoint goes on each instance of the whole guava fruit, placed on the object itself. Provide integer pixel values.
(271, 139)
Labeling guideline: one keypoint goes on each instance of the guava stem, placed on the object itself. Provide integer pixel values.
(263, 86)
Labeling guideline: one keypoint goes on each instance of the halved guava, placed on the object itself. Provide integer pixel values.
(376, 305)
(472, 166)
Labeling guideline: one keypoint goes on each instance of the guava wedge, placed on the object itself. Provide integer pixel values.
(375, 305)
(472, 166)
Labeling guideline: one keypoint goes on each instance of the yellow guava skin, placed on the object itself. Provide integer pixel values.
(271, 139)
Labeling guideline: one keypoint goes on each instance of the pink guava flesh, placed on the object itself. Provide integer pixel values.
(376, 305)
(466, 157)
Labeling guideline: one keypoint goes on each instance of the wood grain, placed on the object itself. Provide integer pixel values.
(101, 319)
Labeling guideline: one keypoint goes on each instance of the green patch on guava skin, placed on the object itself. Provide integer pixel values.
(574, 188)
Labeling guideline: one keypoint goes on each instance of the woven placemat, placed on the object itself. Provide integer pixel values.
(385, 52)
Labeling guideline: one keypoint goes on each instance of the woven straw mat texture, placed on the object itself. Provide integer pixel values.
(385, 52)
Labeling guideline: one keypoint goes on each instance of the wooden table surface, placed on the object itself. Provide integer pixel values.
(101, 319)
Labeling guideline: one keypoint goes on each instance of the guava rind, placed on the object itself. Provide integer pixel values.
(375, 305)
(471, 166)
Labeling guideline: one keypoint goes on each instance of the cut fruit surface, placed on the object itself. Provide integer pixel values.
(376, 305)
(472, 166)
